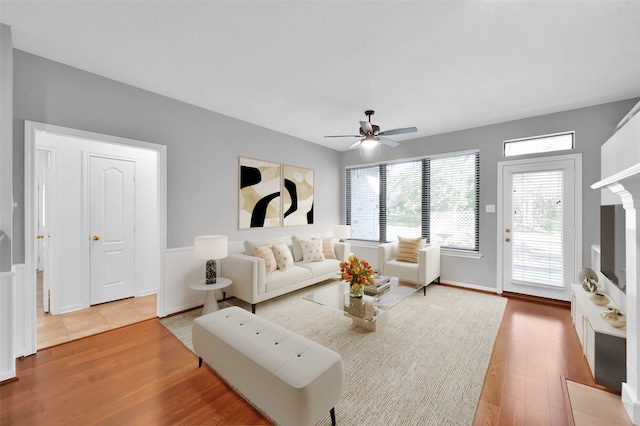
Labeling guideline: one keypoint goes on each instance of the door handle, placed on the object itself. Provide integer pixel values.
(96, 237)
(40, 237)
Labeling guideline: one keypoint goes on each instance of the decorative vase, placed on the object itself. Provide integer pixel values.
(356, 291)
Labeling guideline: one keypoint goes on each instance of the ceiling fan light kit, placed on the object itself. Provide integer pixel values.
(372, 134)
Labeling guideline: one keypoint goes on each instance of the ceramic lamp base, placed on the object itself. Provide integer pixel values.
(211, 272)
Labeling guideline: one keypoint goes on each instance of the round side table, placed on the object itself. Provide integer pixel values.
(210, 302)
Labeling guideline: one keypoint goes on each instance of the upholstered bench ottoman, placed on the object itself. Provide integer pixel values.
(292, 379)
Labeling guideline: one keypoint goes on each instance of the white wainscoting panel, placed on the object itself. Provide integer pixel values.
(181, 270)
(7, 345)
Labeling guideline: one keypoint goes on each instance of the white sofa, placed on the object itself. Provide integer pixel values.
(426, 271)
(252, 284)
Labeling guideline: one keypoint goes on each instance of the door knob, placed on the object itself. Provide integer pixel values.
(507, 239)
(507, 230)
(96, 237)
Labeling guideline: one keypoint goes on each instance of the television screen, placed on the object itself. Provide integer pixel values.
(612, 245)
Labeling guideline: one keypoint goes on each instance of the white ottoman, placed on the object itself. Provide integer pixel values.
(292, 379)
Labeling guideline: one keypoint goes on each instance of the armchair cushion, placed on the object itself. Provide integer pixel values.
(425, 271)
(408, 249)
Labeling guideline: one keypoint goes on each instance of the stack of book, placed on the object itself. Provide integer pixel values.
(381, 285)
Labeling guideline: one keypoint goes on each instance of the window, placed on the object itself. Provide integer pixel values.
(538, 144)
(433, 197)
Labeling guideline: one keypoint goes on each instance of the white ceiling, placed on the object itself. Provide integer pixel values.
(311, 68)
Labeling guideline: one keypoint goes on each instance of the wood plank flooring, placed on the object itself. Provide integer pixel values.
(141, 374)
(535, 348)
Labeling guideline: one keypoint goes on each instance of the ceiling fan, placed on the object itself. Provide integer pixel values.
(370, 134)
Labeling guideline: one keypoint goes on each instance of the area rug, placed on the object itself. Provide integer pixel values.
(425, 366)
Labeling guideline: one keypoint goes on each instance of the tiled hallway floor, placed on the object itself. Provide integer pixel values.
(56, 329)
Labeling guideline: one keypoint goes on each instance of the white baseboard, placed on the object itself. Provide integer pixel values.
(470, 286)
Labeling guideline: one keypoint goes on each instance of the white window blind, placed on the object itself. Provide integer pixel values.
(436, 198)
(454, 201)
(363, 195)
(403, 200)
(537, 228)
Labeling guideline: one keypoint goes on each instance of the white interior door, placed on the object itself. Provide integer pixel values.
(111, 217)
(540, 243)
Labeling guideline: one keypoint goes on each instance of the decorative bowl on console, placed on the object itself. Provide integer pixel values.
(614, 318)
(599, 299)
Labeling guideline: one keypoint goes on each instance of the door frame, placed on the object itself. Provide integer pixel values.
(28, 304)
(50, 180)
(577, 188)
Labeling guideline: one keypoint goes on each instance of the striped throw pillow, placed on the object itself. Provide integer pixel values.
(408, 249)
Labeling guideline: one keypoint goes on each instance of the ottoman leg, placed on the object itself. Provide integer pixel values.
(199, 362)
(333, 416)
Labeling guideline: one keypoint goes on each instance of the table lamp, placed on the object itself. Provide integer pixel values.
(342, 232)
(210, 248)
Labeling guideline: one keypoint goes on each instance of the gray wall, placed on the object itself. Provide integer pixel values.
(202, 148)
(6, 114)
(593, 126)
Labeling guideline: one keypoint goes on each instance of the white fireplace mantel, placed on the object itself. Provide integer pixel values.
(626, 185)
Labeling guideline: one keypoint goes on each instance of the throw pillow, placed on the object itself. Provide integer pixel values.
(328, 251)
(312, 250)
(250, 244)
(408, 249)
(265, 252)
(283, 256)
(295, 244)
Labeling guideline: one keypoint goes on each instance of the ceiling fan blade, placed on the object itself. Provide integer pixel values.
(353, 145)
(398, 131)
(366, 127)
(388, 142)
(344, 136)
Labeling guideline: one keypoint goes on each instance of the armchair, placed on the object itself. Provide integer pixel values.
(426, 271)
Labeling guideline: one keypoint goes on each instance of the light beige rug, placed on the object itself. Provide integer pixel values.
(425, 366)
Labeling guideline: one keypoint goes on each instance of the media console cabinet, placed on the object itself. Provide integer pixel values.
(604, 346)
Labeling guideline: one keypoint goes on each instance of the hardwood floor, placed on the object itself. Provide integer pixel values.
(141, 374)
(535, 348)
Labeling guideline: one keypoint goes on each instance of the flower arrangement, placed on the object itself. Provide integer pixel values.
(358, 273)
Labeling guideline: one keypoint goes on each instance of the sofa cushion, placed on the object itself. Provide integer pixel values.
(329, 266)
(328, 250)
(250, 244)
(408, 249)
(312, 250)
(283, 255)
(279, 279)
(295, 245)
(265, 252)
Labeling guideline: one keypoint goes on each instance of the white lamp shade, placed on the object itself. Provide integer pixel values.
(342, 232)
(208, 247)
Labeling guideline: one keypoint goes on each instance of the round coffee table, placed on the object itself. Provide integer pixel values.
(210, 302)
